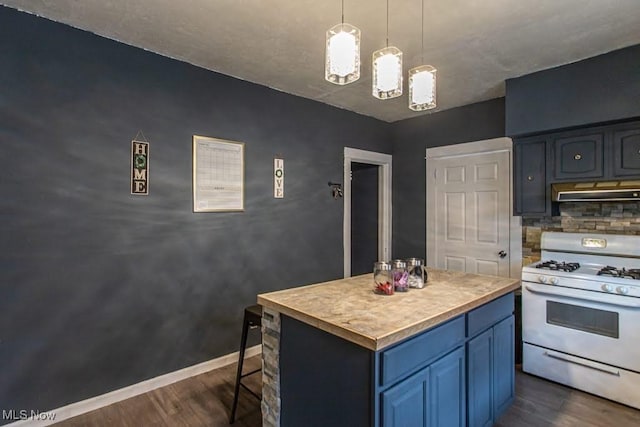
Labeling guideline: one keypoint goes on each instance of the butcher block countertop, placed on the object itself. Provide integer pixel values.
(349, 308)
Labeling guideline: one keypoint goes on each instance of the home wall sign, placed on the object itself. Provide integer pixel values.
(278, 178)
(218, 175)
(139, 167)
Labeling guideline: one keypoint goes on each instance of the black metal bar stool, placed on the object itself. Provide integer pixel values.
(252, 319)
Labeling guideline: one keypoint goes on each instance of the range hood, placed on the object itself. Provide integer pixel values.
(595, 191)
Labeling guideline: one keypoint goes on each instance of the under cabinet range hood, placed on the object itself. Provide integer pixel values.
(595, 191)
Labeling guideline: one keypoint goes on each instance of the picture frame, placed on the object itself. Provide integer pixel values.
(218, 175)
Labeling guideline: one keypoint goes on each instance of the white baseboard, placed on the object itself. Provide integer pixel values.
(88, 405)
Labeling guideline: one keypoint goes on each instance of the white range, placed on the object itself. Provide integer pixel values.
(581, 314)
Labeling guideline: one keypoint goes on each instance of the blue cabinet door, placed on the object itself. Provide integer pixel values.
(447, 400)
(578, 156)
(405, 405)
(530, 177)
(626, 151)
(503, 366)
(480, 380)
(491, 373)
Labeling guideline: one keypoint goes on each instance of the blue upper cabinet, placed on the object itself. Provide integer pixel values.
(530, 177)
(578, 157)
(626, 151)
(600, 153)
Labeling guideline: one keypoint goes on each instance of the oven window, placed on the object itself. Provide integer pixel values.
(585, 319)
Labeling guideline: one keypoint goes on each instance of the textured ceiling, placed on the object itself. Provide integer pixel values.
(475, 45)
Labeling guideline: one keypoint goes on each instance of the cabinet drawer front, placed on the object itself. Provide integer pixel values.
(489, 314)
(578, 157)
(419, 351)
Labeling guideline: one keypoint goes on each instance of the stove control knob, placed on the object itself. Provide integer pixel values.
(622, 290)
(607, 288)
(542, 279)
(553, 280)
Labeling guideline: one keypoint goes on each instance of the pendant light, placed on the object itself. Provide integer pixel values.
(422, 82)
(342, 59)
(387, 70)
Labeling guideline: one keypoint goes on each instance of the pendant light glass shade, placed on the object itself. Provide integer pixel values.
(422, 88)
(342, 65)
(387, 73)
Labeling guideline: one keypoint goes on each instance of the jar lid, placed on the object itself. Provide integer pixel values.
(398, 263)
(381, 266)
(414, 262)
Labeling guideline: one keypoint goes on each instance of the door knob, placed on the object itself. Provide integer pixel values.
(502, 254)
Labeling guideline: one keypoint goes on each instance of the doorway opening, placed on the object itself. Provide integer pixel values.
(367, 187)
(364, 217)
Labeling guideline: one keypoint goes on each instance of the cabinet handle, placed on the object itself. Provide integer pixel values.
(530, 178)
(577, 156)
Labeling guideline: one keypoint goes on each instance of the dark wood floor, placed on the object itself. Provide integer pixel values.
(543, 403)
(205, 400)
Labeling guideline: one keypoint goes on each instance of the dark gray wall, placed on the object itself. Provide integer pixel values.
(600, 89)
(100, 289)
(411, 138)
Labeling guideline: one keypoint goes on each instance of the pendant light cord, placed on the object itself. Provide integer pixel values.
(343, 11)
(422, 36)
(387, 23)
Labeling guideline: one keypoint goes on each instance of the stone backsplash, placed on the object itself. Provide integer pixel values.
(582, 217)
(270, 404)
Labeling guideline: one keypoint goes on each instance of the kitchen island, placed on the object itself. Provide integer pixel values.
(336, 353)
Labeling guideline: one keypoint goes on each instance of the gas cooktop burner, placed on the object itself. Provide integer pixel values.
(633, 273)
(561, 266)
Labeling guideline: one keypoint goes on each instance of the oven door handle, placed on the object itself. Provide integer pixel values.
(620, 301)
(586, 363)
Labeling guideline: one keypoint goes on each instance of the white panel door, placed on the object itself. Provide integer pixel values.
(472, 212)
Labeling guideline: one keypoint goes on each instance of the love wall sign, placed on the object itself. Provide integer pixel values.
(139, 167)
(278, 178)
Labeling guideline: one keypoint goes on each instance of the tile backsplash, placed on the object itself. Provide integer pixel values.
(582, 217)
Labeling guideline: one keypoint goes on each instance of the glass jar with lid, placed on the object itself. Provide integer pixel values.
(382, 278)
(400, 275)
(417, 273)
